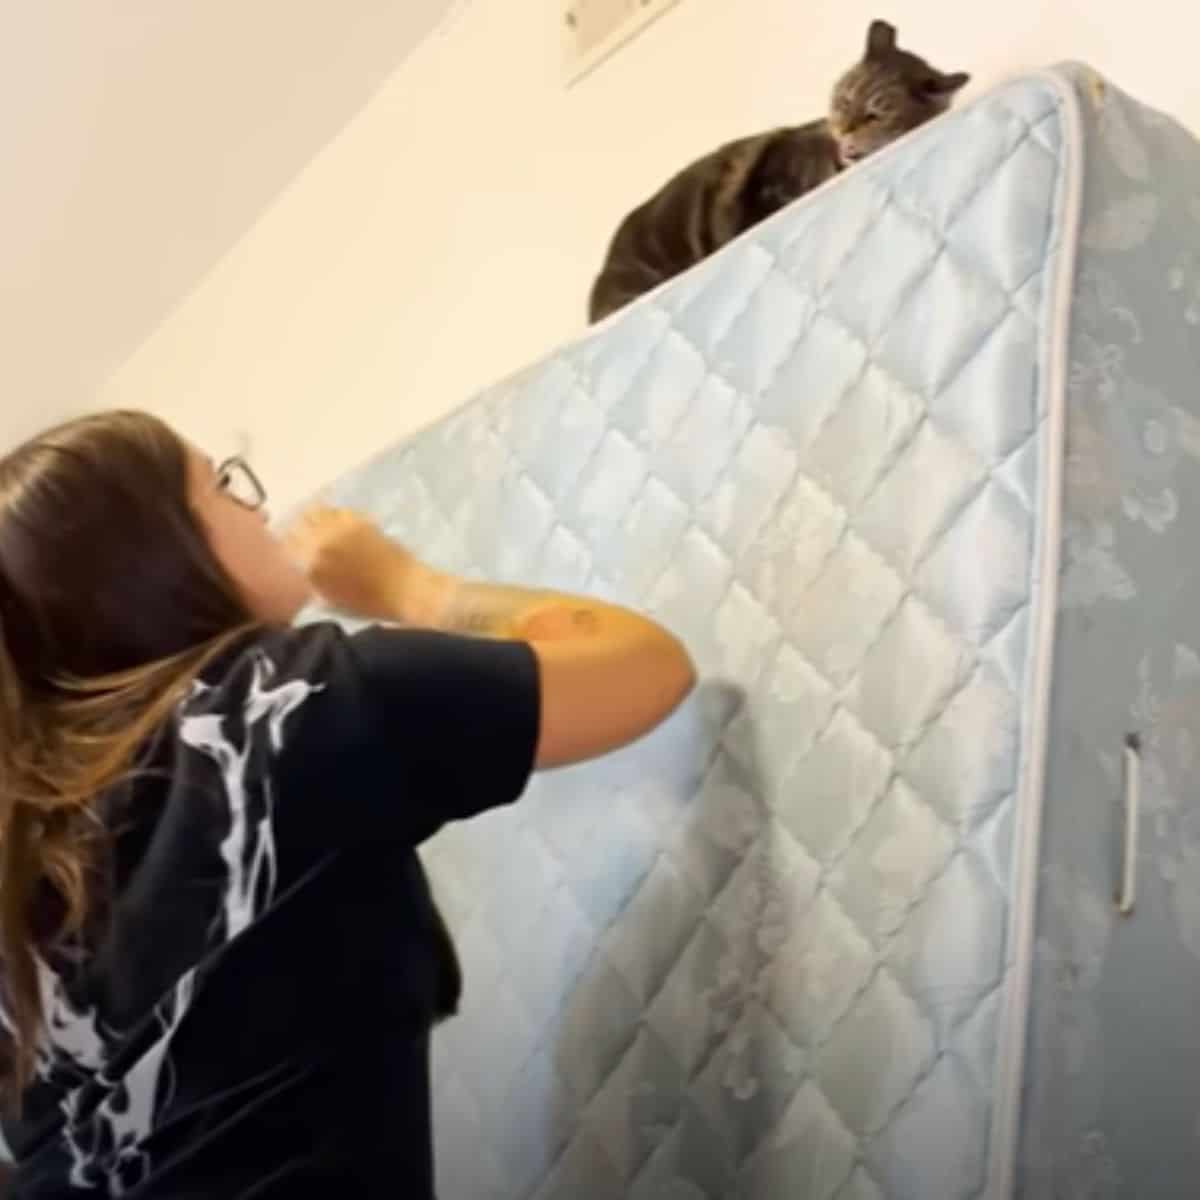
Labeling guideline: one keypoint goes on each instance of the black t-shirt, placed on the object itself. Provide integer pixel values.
(250, 1015)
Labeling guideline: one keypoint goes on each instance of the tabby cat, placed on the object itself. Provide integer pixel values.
(723, 194)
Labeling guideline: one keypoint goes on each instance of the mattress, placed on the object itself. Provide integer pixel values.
(914, 468)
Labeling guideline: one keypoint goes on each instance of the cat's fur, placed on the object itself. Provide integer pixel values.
(723, 194)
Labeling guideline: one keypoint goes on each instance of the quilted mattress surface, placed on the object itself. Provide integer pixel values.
(784, 947)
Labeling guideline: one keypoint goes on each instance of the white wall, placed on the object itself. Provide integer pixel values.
(449, 235)
(139, 141)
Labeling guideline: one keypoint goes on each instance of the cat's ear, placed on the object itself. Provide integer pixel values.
(881, 39)
(938, 84)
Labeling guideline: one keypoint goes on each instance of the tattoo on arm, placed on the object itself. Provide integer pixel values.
(488, 610)
(585, 620)
(473, 621)
(485, 610)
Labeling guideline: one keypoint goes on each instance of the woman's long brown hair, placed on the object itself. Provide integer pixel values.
(110, 603)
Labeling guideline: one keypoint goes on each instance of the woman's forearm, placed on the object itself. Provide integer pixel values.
(412, 593)
(390, 584)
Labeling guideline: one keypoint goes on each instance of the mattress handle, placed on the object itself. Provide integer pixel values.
(1133, 804)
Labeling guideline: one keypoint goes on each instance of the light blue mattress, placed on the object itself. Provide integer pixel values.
(914, 468)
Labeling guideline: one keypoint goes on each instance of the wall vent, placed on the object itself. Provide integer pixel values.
(595, 28)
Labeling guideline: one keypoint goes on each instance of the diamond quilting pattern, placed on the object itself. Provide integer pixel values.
(893, 858)
(761, 954)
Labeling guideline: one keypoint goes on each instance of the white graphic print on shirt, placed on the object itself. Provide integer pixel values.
(107, 1117)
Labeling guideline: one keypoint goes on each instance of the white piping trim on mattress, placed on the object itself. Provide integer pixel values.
(1014, 1019)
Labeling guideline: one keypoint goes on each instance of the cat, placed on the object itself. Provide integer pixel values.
(723, 194)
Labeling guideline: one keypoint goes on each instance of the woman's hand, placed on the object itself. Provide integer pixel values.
(354, 566)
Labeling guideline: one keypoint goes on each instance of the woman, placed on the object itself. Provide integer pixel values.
(221, 959)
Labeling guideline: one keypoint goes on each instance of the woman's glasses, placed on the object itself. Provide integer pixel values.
(240, 484)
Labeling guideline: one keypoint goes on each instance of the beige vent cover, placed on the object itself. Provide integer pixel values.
(593, 29)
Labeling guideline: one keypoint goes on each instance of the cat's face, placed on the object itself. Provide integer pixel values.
(885, 95)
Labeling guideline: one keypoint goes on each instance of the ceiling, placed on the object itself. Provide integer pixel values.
(139, 141)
